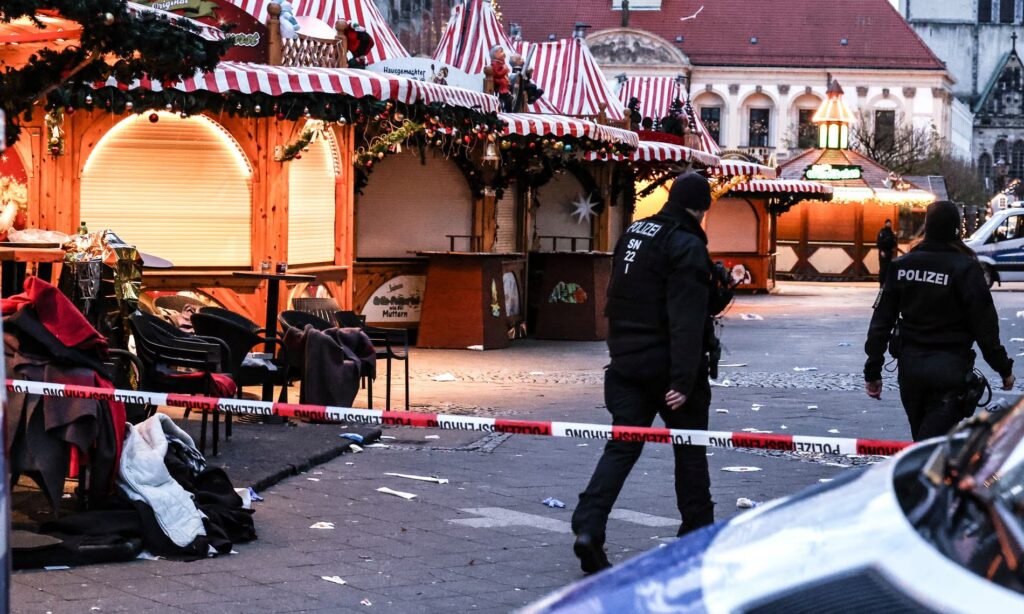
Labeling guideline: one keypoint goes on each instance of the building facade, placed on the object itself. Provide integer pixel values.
(756, 72)
(977, 40)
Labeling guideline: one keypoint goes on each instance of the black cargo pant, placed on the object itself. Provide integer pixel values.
(635, 403)
(930, 382)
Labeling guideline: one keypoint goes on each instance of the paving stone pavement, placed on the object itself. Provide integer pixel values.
(484, 542)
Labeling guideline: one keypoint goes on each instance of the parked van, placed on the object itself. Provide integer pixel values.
(999, 243)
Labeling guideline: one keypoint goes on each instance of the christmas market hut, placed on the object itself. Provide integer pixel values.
(836, 239)
(241, 167)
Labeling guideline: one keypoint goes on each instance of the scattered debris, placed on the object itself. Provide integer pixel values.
(355, 448)
(834, 431)
(313, 479)
(376, 445)
(253, 495)
(356, 437)
(1020, 314)
(784, 427)
(721, 411)
(422, 478)
(536, 373)
(432, 437)
(722, 384)
(366, 602)
(56, 567)
(477, 348)
(740, 469)
(812, 407)
(444, 377)
(553, 502)
(804, 369)
(408, 496)
(387, 437)
(733, 365)
(582, 445)
(146, 555)
(744, 503)
(322, 525)
(751, 429)
(1017, 340)
(334, 579)
(843, 344)
(825, 480)
(750, 316)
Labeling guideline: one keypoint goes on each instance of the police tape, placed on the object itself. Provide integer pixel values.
(374, 417)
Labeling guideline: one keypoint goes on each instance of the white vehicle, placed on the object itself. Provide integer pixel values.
(999, 243)
(938, 528)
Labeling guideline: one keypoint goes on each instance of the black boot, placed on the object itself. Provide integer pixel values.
(697, 519)
(590, 552)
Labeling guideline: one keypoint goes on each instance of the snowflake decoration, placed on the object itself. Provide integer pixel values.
(583, 208)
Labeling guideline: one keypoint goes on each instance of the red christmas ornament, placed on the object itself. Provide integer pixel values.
(533, 145)
(280, 116)
(154, 118)
(467, 139)
(369, 164)
(298, 156)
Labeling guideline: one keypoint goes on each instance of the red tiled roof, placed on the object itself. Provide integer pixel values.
(795, 33)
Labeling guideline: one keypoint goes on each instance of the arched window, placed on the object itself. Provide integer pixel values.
(1000, 153)
(758, 109)
(711, 108)
(985, 167)
(1017, 161)
(178, 188)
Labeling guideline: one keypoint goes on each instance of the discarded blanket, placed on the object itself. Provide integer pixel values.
(331, 363)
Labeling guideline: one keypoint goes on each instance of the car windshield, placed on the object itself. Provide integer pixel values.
(986, 228)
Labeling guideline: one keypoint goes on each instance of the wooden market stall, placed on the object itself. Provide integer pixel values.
(836, 240)
(243, 168)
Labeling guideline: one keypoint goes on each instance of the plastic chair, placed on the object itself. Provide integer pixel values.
(164, 351)
(299, 320)
(242, 339)
(386, 341)
(237, 318)
(323, 308)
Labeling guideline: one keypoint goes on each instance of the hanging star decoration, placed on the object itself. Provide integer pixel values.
(583, 208)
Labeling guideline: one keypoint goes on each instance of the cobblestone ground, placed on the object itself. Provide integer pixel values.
(483, 541)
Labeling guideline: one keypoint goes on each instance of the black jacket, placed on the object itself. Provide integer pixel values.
(886, 243)
(943, 303)
(658, 301)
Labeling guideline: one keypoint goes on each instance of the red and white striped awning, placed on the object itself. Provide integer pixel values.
(651, 151)
(742, 167)
(246, 78)
(572, 81)
(655, 94)
(363, 12)
(472, 31)
(205, 31)
(525, 124)
(778, 186)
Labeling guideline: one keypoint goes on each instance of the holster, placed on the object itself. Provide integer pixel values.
(713, 346)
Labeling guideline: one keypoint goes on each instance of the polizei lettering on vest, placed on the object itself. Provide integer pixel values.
(928, 277)
(647, 229)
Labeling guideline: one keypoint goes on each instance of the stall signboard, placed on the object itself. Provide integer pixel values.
(250, 37)
(832, 172)
(397, 301)
(429, 70)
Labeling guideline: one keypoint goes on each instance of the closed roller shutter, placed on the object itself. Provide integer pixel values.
(505, 216)
(178, 188)
(408, 207)
(311, 211)
(554, 214)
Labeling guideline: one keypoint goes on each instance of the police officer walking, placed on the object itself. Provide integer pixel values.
(887, 245)
(933, 307)
(660, 302)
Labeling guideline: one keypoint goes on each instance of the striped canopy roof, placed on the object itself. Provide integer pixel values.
(247, 78)
(558, 125)
(778, 186)
(363, 12)
(572, 81)
(655, 94)
(652, 151)
(742, 167)
(472, 31)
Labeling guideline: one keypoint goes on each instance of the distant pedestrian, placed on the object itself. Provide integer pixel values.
(661, 299)
(932, 309)
(887, 246)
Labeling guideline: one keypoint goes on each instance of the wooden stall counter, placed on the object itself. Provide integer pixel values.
(15, 259)
(568, 294)
(464, 304)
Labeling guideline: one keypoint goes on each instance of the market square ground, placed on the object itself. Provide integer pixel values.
(484, 541)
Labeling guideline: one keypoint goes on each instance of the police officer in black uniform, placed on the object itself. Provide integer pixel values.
(937, 300)
(660, 300)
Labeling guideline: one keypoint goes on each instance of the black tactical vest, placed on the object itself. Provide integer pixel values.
(637, 292)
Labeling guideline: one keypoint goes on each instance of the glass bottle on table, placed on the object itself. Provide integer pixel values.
(83, 229)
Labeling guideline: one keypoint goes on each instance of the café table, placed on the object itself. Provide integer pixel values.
(273, 296)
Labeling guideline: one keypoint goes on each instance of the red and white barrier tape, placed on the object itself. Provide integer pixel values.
(576, 430)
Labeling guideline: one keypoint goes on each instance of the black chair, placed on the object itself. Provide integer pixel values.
(237, 318)
(242, 339)
(299, 320)
(126, 371)
(167, 354)
(387, 342)
(323, 308)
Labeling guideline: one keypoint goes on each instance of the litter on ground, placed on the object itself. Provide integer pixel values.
(444, 377)
(812, 407)
(744, 503)
(750, 316)
(422, 478)
(322, 525)
(408, 496)
(804, 369)
(751, 429)
(834, 431)
(721, 411)
(553, 502)
(432, 437)
(740, 469)
(355, 448)
(734, 365)
(356, 437)
(334, 579)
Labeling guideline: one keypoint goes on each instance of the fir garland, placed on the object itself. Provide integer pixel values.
(314, 128)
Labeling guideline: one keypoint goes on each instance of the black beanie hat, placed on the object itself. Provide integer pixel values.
(689, 190)
(942, 222)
